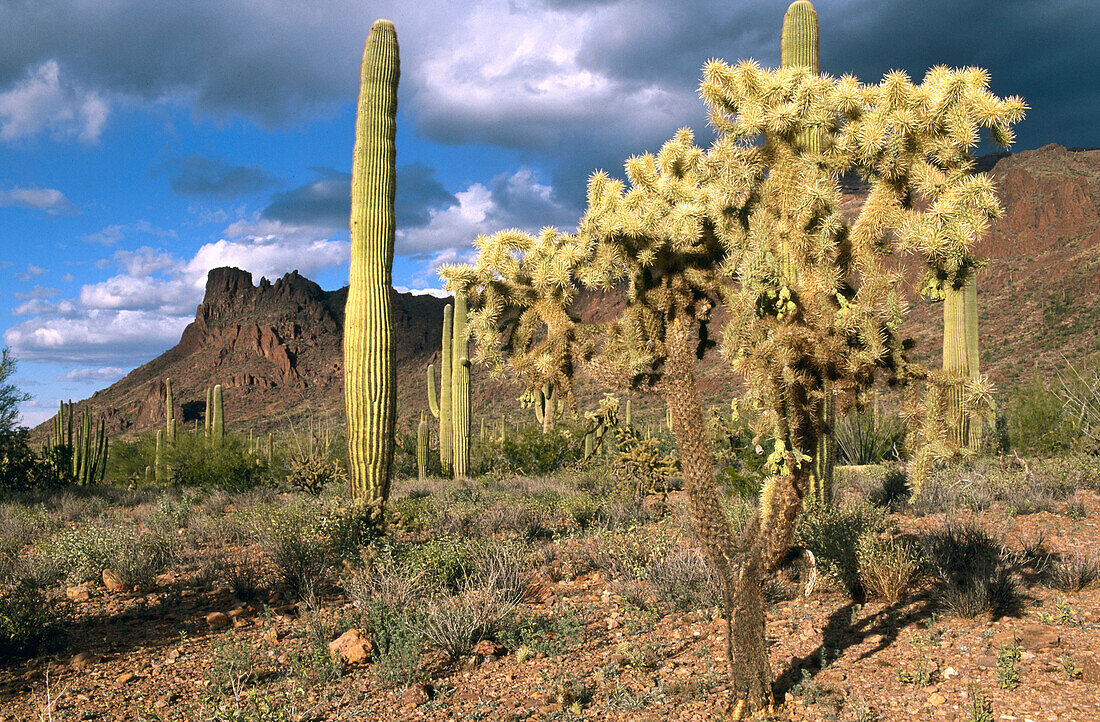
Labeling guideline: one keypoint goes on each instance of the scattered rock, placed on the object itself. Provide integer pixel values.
(217, 620)
(1037, 636)
(1090, 671)
(79, 593)
(113, 581)
(351, 648)
(936, 699)
(487, 648)
(416, 695)
(125, 678)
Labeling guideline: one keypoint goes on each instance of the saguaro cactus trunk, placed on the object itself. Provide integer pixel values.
(217, 417)
(370, 384)
(460, 390)
(960, 357)
(441, 408)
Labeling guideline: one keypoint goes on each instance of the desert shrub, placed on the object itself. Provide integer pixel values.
(26, 619)
(529, 452)
(893, 491)
(870, 436)
(887, 566)
(456, 623)
(128, 458)
(1077, 571)
(388, 600)
(1035, 422)
(683, 580)
(625, 554)
(445, 562)
(194, 462)
(550, 634)
(299, 552)
(20, 526)
(832, 533)
(969, 569)
(23, 467)
(1079, 391)
(1022, 486)
(81, 554)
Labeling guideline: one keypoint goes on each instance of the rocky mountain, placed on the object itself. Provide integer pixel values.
(276, 347)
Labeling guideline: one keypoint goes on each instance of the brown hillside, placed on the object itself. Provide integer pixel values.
(276, 348)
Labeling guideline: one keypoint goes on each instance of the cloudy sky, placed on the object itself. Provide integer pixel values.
(143, 142)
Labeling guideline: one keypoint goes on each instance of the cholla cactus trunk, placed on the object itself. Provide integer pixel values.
(460, 389)
(217, 418)
(207, 413)
(970, 308)
(955, 361)
(461, 413)
(370, 383)
(422, 448)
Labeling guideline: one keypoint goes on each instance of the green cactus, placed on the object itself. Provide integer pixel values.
(589, 444)
(460, 389)
(217, 418)
(960, 358)
(86, 441)
(370, 382)
(207, 413)
(422, 448)
(441, 409)
(169, 411)
(549, 406)
(158, 458)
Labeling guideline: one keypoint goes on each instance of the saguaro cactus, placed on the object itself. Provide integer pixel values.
(217, 417)
(549, 405)
(460, 389)
(370, 383)
(207, 414)
(441, 408)
(422, 448)
(960, 357)
(158, 458)
(169, 411)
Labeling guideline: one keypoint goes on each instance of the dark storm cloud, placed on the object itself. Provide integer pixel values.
(326, 202)
(199, 175)
(274, 62)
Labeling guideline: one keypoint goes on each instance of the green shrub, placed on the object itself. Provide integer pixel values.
(887, 566)
(684, 581)
(870, 436)
(26, 619)
(551, 634)
(388, 600)
(81, 554)
(832, 533)
(969, 569)
(446, 562)
(232, 466)
(293, 542)
(529, 452)
(1035, 422)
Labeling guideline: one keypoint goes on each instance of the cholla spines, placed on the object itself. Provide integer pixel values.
(441, 408)
(460, 389)
(422, 448)
(217, 417)
(370, 384)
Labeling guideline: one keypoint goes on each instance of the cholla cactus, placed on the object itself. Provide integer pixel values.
(753, 223)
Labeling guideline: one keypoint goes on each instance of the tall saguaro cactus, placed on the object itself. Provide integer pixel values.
(441, 408)
(370, 383)
(169, 409)
(460, 389)
(217, 417)
(209, 409)
(800, 46)
(960, 357)
(422, 448)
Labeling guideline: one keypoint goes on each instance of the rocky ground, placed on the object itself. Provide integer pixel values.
(187, 649)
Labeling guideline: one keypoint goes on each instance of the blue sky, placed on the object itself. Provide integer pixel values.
(143, 142)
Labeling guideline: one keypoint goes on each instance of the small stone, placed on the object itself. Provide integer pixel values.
(81, 660)
(487, 648)
(125, 678)
(351, 648)
(936, 699)
(217, 620)
(113, 581)
(415, 696)
(949, 673)
(78, 594)
(1090, 671)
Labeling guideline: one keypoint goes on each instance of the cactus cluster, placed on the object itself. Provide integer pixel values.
(452, 406)
(87, 441)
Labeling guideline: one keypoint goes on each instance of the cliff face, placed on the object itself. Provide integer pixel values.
(276, 348)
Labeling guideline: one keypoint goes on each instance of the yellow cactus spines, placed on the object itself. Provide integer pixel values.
(369, 364)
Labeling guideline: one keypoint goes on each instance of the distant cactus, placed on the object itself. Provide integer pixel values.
(217, 418)
(549, 405)
(370, 382)
(460, 390)
(207, 414)
(86, 441)
(628, 419)
(169, 411)
(422, 448)
(158, 458)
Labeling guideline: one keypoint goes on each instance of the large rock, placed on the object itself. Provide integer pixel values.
(351, 648)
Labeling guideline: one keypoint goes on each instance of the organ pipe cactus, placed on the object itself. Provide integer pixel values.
(217, 417)
(370, 382)
(86, 441)
(441, 409)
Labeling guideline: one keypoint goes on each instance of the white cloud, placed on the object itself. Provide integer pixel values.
(43, 101)
(171, 296)
(106, 336)
(49, 200)
(40, 306)
(36, 292)
(98, 374)
(437, 292)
